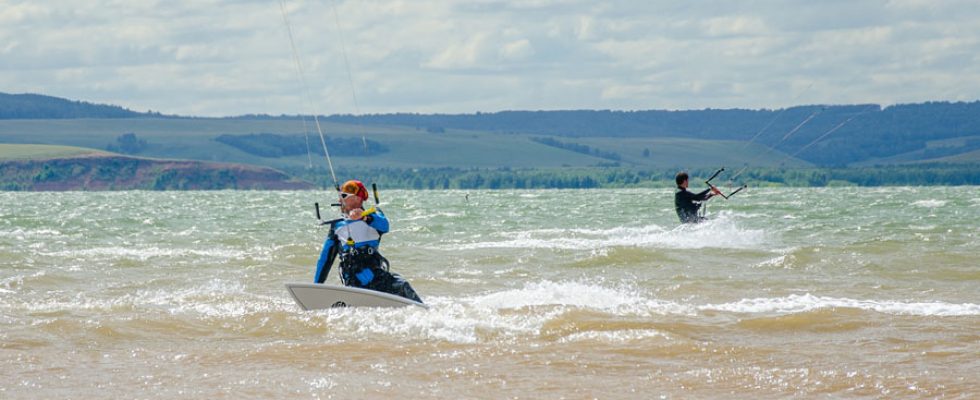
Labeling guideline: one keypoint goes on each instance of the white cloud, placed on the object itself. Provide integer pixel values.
(736, 25)
(472, 52)
(233, 57)
(586, 28)
(517, 50)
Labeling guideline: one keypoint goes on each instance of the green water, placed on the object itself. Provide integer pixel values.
(839, 292)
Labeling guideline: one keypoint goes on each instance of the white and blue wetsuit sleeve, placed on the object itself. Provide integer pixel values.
(379, 221)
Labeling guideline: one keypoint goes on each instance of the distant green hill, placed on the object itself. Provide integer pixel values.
(577, 148)
(10, 152)
(822, 135)
(969, 157)
(56, 168)
(825, 135)
(36, 106)
(406, 147)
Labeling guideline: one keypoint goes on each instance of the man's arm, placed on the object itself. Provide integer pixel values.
(327, 255)
(704, 195)
(378, 221)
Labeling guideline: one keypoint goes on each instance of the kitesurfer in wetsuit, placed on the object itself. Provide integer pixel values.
(686, 203)
(355, 239)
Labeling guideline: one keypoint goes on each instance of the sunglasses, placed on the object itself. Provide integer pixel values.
(345, 195)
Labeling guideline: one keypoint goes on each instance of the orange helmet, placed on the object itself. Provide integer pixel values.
(355, 187)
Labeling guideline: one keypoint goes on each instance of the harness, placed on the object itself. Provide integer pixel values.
(356, 262)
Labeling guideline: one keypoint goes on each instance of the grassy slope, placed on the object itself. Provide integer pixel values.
(10, 152)
(77, 168)
(917, 157)
(409, 147)
(688, 153)
(968, 157)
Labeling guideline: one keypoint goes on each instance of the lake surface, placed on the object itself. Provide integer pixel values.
(836, 292)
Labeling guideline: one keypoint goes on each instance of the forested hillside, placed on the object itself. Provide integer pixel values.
(823, 135)
(36, 106)
(59, 168)
(815, 135)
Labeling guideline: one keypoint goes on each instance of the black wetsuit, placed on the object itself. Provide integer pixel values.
(687, 204)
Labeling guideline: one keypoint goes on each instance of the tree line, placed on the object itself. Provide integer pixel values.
(578, 148)
(586, 178)
(275, 145)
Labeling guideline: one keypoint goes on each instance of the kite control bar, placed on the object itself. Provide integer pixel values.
(319, 219)
(708, 182)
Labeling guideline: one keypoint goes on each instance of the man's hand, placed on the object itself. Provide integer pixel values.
(715, 190)
(355, 214)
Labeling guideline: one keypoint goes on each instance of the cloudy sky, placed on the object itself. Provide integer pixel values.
(219, 58)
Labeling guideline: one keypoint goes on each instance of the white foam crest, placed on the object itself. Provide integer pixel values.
(436, 215)
(803, 303)
(614, 336)
(932, 203)
(215, 298)
(715, 234)
(146, 253)
(22, 234)
(619, 300)
(777, 262)
(80, 302)
(212, 299)
(320, 384)
(503, 315)
(413, 218)
(17, 281)
(552, 293)
(468, 272)
(445, 320)
(718, 233)
(922, 227)
(507, 244)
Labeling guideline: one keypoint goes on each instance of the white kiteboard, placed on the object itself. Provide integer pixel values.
(315, 296)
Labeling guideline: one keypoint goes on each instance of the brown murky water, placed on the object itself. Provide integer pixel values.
(840, 293)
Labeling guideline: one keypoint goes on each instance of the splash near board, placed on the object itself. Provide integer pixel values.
(314, 296)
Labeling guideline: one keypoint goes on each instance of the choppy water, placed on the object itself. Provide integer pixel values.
(844, 293)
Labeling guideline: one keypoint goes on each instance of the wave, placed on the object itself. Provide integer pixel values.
(721, 233)
(807, 302)
(930, 203)
(20, 233)
(588, 295)
(563, 311)
(149, 252)
(536, 308)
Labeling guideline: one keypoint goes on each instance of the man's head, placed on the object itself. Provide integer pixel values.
(681, 180)
(352, 194)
